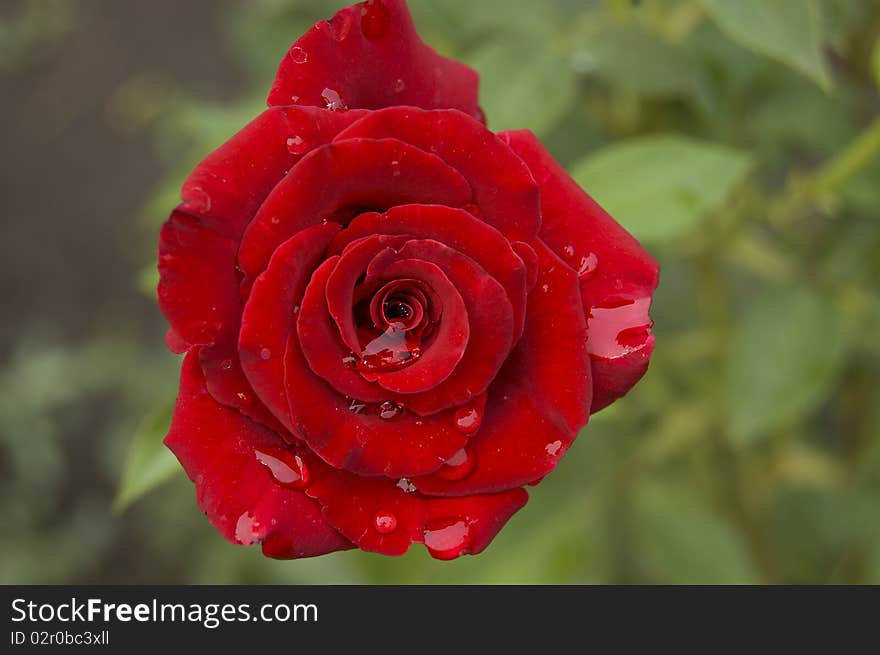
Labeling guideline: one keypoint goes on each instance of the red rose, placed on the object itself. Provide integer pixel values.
(393, 318)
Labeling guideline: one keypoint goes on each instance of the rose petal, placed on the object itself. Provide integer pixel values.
(353, 435)
(228, 186)
(457, 229)
(197, 285)
(614, 271)
(504, 189)
(540, 399)
(363, 173)
(269, 314)
(490, 318)
(352, 504)
(371, 56)
(217, 447)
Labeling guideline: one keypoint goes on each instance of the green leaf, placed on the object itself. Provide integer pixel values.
(681, 538)
(789, 31)
(875, 63)
(786, 352)
(149, 462)
(659, 187)
(637, 60)
(523, 86)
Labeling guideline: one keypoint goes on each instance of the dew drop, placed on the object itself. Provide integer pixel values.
(296, 145)
(468, 419)
(399, 85)
(385, 522)
(447, 538)
(333, 100)
(356, 407)
(457, 467)
(275, 220)
(243, 397)
(389, 410)
(226, 364)
(197, 200)
(349, 361)
(568, 250)
(406, 486)
(294, 99)
(553, 447)
(296, 309)
(245, 529)
(587, 266)
(545, 288)
(288, 469)
(618, 326)
(395, 168)
(265, 353)
(298, 55)
(374, 19)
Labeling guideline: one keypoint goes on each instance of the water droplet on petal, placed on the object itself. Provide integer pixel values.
(568, 250)
(553, 447)
(389, 410)
(265, 353)
(246, 529)
(385, 522)
(468, 419)
(333, 100)
(296, 309)
(457, 467)
(399, 85)
(349, 361)
(374, 19)
(287, 468)
(356, 407)
(298, 55)
(197, 200)
(395, 168)
(243, 397)
(545, 288)
(618, 327)
(587, 265)
(294, 99)
(296, 145)
(275, 220)
(226, 364)
(447, 538)
(406, 486)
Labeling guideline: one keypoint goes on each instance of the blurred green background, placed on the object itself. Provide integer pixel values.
(738, 139)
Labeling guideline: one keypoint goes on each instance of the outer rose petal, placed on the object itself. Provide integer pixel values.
(198, 289)
(448, 526)
(217, 447)
(617, 276)
(504, 190)
(197, 285)
(540, 398)
(370, 56)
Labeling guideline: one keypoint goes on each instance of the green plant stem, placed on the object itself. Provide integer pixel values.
(828, 178)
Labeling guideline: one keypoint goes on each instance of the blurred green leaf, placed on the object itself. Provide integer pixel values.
(682, 538)
(635, 59)
(875, 62)
(149, 462)
(786, 351)
(659, 187)
(523, 87)
(787, 30)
